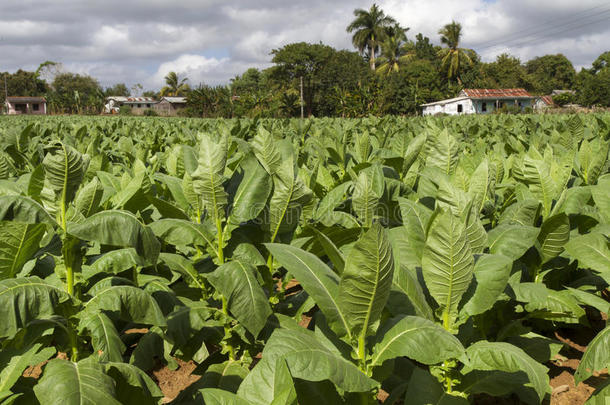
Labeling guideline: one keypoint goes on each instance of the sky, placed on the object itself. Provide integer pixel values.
(212, 41)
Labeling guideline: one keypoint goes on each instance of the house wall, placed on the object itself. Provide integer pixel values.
(26, 108)
(139, 108)
(450, 108)
(168, 109)
(491, 104)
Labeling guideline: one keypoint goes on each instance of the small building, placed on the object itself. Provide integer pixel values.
(544, 102)
(113, 103)
(480, 101)
(26, 105)
(140, 104)
(170, 106)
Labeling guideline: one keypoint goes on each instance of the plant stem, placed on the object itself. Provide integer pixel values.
(220, 232)
(225, 310)
(362, 352)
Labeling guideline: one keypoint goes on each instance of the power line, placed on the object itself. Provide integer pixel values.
(530, 31)
(548, 31)
(548, 34)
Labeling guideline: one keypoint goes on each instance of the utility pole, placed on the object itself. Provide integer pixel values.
(301, 97)
(5, 93)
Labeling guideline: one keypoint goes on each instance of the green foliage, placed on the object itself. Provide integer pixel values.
(433, 258)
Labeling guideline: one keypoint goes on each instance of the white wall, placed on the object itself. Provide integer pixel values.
(450, 108)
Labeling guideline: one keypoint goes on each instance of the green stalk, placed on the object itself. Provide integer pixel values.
(227, 328)
(66, 254)
(220, 232)
(73, 344)
(362, 352)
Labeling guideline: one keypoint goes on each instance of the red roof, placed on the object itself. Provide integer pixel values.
(548, 100)
(494, 93)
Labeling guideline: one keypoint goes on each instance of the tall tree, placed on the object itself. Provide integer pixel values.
(550, 72)
(395, 50)
(453, 58)
(369, 28)
(174, 86)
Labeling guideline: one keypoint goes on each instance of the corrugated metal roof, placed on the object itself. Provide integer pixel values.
(121, 99)
(139, 100)
(495, 93)
(178, 100)
(26, 100)
(548, 100)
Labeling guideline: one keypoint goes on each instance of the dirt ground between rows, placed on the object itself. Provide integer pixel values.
(564, 391)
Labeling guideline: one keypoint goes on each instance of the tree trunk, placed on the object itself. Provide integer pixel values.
(372, 54)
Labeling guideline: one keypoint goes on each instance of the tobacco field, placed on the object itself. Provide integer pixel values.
(320, 261)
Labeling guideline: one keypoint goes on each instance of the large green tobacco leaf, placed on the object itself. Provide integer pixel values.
(407, 296)
(252, 193)
(424, 389)
(412, 152)
(601, 196)
(247, 301)
(416, 338)
(114, 262)
(596, 357)
(118, 228)
(184, 266)
(491, 273)
(23, 209)
(546, 303)
(290, 194)
(319, 281)
(309, 359)
(447, 263)
(591, 251)
(511, 240)
(89, 197)
(133, 386)
(554, 234)
(278, 389)
(128, 303)
(443, 151)
(105, 338)
(209, 176)
(537, 174)
(368, 189)
(490, 356)
(482, 185)
(82, 383)
(25, 299)
(64, 169)
(331, 250)
(366, 281)
(226, 376)
(265, 149)
(498, 384)
(215, 396)
(415, 219)
(18, 242)
(132, 196)
(180, 232)
(13, 362)
(521, 213)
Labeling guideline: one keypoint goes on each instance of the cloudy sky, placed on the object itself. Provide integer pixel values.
(211, 41)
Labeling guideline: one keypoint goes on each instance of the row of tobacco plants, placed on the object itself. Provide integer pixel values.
(435, 257)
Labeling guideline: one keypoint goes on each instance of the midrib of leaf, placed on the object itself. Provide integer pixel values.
(382, 350)
(370, 305)
(347, 330)
(247, 278)
(446, 323)
(28, 284)
(279, 223)
(105, 331)
(14, 263)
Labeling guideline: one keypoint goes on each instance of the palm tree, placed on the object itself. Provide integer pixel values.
(395, 50)
(370, 30)
(453, 58)
(174, 86)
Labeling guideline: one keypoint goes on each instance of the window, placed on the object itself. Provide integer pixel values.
(36, 107)
(484, 107)
(139, 105)
(147, 105)
(460, 108)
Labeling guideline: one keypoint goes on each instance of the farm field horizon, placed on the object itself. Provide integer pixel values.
(395, 260)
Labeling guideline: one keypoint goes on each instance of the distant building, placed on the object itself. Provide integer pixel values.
(170, 106)
(26, 105)
(480, 101)
(140, 104)
(544, 102)
(113, 103)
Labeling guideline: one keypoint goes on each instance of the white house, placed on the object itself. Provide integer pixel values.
(480, 101)
(26, 105)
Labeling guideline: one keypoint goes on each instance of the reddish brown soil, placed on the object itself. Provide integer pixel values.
(172, 382)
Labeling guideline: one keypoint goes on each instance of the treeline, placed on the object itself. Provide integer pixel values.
(389, 74)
